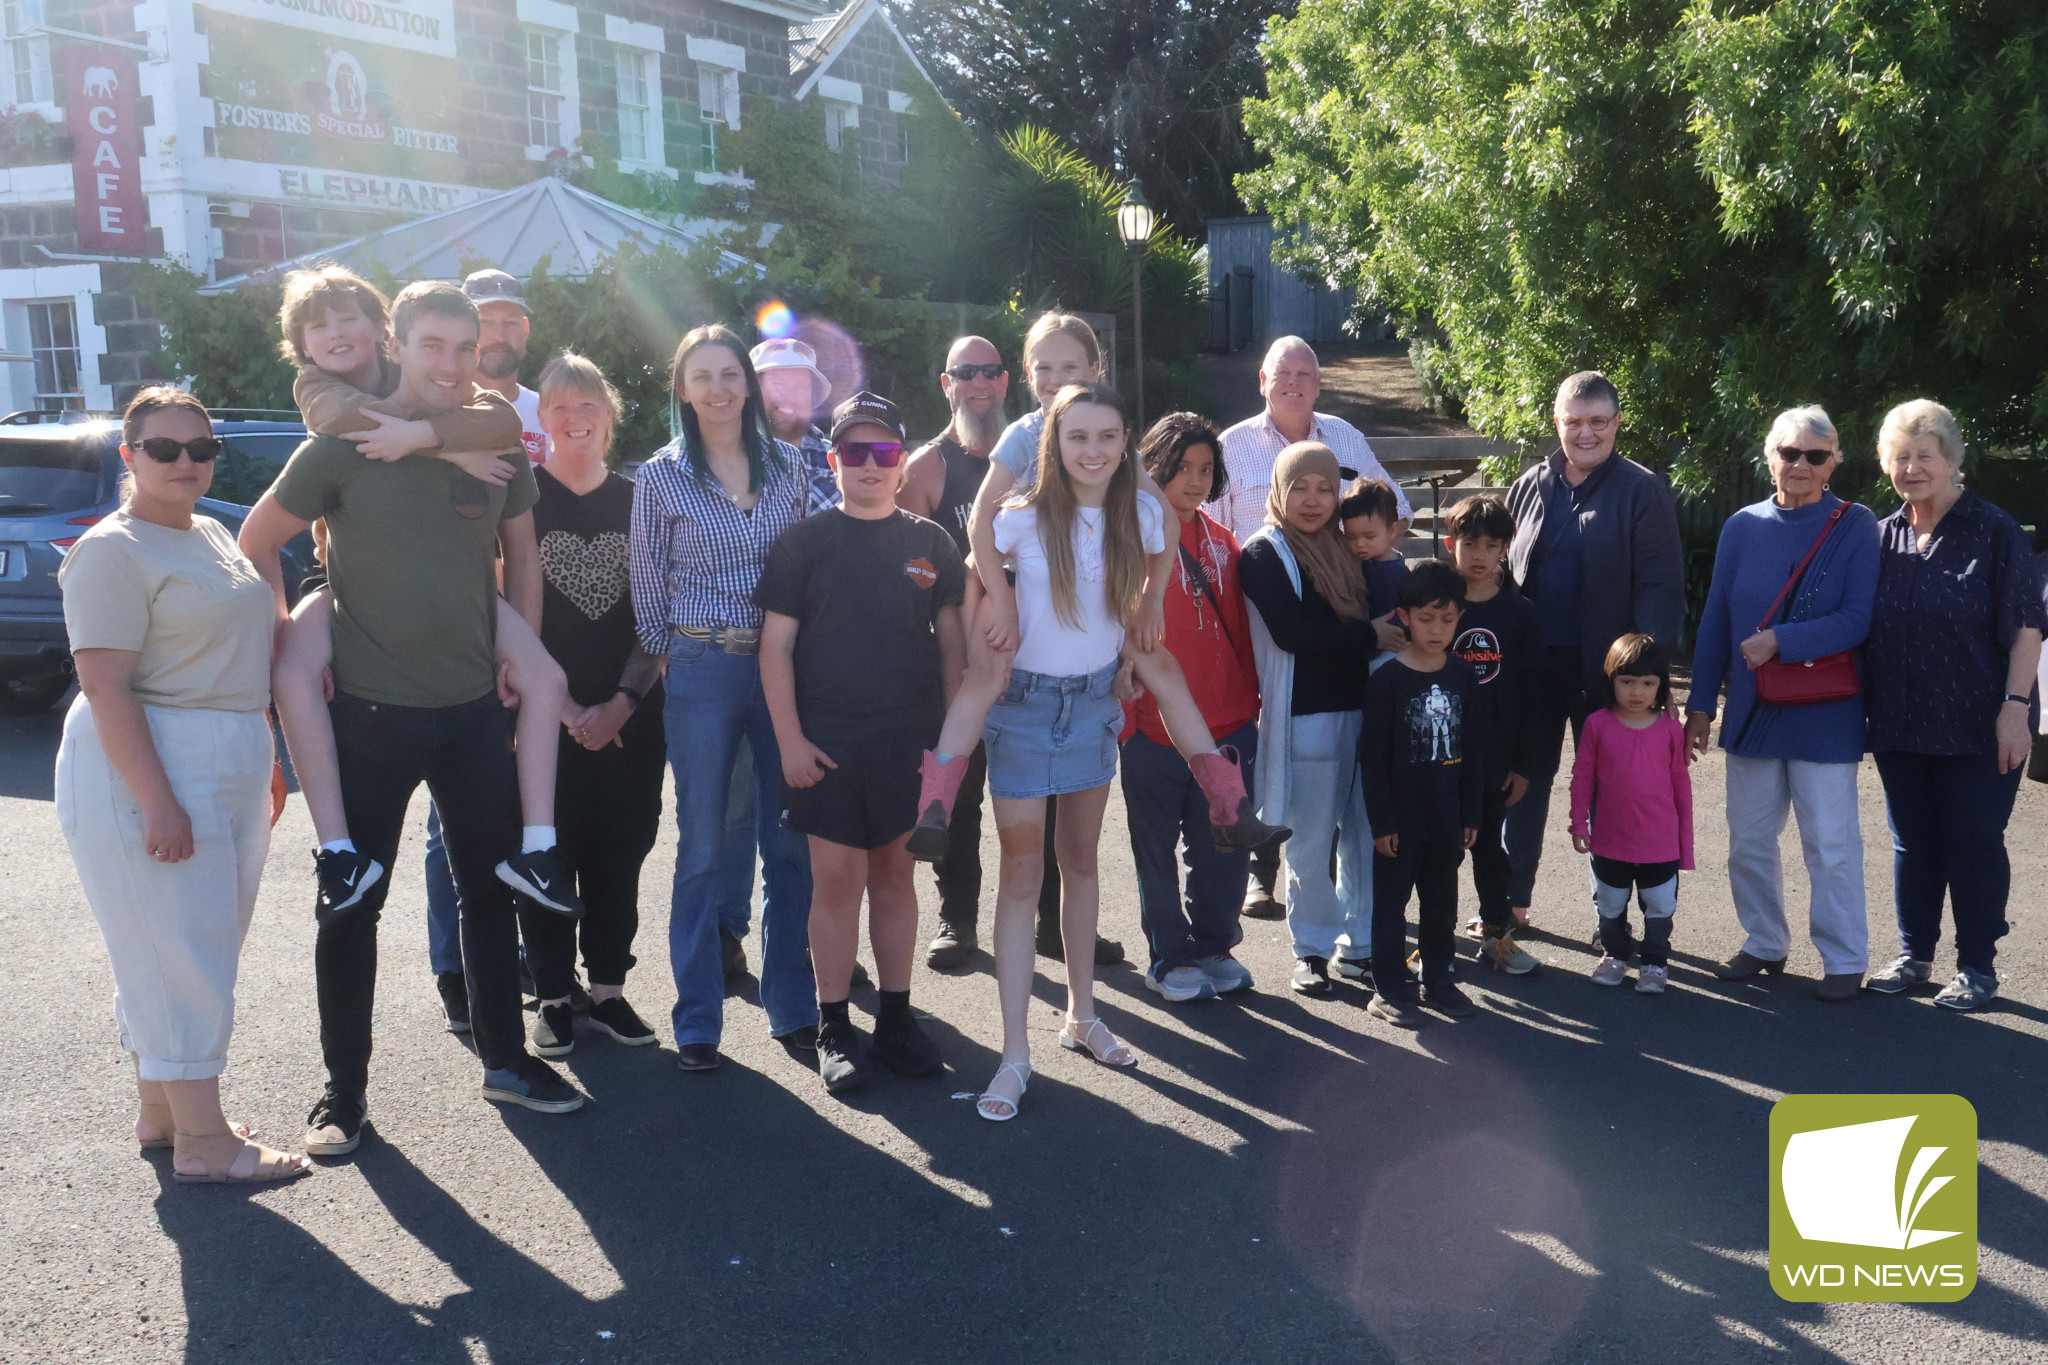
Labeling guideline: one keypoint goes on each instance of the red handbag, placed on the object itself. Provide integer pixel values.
(1832, 677)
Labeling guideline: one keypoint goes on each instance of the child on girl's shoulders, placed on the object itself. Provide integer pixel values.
(1632, 810)
(337, 329)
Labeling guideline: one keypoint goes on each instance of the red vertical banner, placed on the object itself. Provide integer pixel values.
(106, 148)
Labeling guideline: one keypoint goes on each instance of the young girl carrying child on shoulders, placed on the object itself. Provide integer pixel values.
(336, 327)
(1632, 810)
(1079, 537)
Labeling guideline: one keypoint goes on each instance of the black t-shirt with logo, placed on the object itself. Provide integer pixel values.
(1414, 752)
(1502, 640)
(866, 597)
(586, 615)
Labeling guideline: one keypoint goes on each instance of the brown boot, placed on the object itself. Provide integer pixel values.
(1231, 821)
(938, 787)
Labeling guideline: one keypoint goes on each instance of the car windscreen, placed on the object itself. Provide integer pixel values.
(38, 476)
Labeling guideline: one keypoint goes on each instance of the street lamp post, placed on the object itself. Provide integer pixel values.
(1134, 223)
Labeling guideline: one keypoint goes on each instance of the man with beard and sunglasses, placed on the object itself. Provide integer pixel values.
(501, 348)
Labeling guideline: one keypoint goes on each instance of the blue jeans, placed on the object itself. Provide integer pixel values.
(736, 852)
(1948, 816)
(444, 909)
(714, 700)
(1164, 806)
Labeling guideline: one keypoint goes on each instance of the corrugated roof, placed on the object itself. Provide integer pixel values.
(574, 229)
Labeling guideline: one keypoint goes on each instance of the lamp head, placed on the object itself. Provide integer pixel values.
(1134, 217)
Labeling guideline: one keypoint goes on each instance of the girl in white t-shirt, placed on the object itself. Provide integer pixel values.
(1060, 351)
(1078, 539)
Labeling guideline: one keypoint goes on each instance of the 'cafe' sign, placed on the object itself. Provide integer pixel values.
(106, 149)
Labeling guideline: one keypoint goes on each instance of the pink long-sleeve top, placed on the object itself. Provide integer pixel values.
(1631, 793)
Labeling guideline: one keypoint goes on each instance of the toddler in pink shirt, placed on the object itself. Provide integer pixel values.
(1632, 810)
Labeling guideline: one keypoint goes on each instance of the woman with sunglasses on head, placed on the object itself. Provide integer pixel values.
(1794, 579)
(706, 509)
(163, 777)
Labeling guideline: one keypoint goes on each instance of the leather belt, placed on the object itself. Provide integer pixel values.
(731, 639)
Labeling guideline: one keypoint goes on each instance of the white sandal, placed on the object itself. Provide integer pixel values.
(990, 1097)
(1111, 1053)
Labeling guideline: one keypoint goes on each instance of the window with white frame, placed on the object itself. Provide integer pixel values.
(543, 88)
(838, 118)
(718, 94)
(53, 343)
(28, 52)
(639, 105)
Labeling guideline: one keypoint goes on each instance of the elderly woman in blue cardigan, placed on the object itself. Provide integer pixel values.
(1802, 758)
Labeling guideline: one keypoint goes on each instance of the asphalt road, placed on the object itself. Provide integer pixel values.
(1576, 1175)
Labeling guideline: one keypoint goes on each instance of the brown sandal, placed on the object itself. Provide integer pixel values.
(251, 1166)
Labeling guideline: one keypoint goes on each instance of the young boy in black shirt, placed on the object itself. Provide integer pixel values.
(860, 653)
(1422, 796)
(1499, 637)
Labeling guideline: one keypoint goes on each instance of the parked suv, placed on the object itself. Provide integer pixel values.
(60, 473)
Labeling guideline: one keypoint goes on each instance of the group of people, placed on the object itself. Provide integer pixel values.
(840, 645)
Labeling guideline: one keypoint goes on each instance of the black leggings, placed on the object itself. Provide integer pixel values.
(607, 812)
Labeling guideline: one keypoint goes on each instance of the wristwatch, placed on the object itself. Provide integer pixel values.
(630, 695)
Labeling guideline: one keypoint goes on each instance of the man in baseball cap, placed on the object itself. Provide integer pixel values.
(505, 324)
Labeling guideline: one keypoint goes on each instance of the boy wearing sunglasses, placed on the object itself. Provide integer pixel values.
(861, 651)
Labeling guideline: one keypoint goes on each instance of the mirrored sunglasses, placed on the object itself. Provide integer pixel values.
(886, 454)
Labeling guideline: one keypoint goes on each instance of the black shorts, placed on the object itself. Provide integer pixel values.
(869, 801)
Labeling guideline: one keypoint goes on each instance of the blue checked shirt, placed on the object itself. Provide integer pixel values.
(695, 556)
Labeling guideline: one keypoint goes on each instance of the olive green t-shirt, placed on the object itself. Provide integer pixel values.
(412, 547)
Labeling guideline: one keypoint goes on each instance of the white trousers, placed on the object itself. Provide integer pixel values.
(173, 931)
(1326, 801)
(1823, 796)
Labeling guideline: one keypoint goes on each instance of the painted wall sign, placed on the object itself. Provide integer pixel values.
(106, 155)
(415, 25)
(286, 95)
(338, 189)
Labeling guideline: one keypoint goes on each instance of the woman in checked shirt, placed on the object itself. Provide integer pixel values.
(706, 509)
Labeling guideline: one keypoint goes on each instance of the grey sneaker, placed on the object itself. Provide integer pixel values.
(1503, 954)
(1226, 974)
(1652, 980)
(1905, 973)
(1970, 990)
(1612, 971)
(1183, 984)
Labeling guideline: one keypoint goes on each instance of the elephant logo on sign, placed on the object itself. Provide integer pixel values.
(100, 83)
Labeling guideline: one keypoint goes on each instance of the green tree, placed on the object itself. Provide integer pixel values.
(1729, 207)
(1152, 88)
(225, 344)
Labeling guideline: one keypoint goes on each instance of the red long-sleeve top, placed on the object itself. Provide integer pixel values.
(1214, 652)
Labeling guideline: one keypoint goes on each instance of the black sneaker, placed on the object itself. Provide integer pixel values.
(334, 1127)
(543, 878)
(732, 956)
(579, 998)
(1445, 998)
(1311, 976)
(554, 1031)
(842, 1057)
(454, 1000)
(616, 1018)
(533, 1083)
(905, 1048)
(803, 1039)
(344, 879)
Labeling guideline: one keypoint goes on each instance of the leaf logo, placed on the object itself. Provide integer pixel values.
(1842, 1185)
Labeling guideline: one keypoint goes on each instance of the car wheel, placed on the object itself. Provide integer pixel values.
(27, 696)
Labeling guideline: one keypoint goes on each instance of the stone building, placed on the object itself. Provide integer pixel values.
(232, 134)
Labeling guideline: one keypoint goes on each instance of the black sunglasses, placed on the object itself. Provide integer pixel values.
(164, 450)
(1794, 454)
(963, 373)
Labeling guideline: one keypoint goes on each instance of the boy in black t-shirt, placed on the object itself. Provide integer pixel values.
(1499, 637)
(1422, 797)
(860, 654)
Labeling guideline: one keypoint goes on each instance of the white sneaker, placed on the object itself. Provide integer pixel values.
(1226, 974)
(1183, 984)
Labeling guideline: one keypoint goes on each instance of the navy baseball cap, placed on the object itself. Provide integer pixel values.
(867, 408)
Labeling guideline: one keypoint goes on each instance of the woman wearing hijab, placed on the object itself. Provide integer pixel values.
(1314, 646)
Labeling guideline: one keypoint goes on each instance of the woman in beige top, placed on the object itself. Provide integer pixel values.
(163, 778)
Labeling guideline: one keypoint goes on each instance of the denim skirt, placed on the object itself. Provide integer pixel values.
(1049, 736)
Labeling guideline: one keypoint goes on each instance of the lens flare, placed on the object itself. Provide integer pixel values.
(775, 320)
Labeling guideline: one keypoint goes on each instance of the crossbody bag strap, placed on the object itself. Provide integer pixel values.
(1799, 572)
(1194, 571)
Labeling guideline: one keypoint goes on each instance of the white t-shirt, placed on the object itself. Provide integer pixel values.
(1049, 645)
(527, 404)
(1017, 451)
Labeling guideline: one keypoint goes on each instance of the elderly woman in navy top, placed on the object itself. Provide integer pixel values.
(706, 509)
(1799, 757)
(1955, 640)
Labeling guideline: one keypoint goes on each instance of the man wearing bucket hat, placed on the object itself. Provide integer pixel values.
(795, 390)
